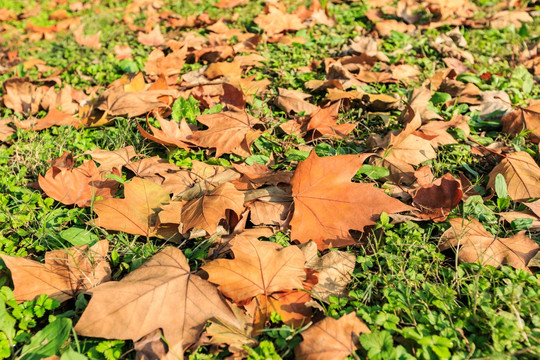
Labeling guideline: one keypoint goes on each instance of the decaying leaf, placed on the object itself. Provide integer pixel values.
(475, 244)
(327, 204)
(258, 268)
(161, 294)
(64, 274)
(331, 338)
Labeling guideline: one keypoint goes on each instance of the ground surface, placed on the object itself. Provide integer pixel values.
(230, 135)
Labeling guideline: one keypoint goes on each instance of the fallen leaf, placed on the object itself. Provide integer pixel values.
(228, 4)
(64, 274)
(169, 65)
(110, 160)
(522, 176)
(331, 338)
(327, 204)
(503, 19)
(497, 102)
(79, 185)
(334, 271)
(523, 119)
(229, 132)
(134, 103)
(477, 245)
(294, 101)
(236, 336)
(171, 133)
(435, 201)
(22, 96)
(90, 40)
(256, 175)
(276, 21)
(153, 38)
(206, 211)
(169, 176)
(438, 129)
(258, 268)
(122, 52)
(510, 216)
(269, 213)
(186, 303)
(324, 121)
(385, 27)
(137, 212)
(5, 130)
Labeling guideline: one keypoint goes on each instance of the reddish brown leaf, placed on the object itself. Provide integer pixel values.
(478, 245)
(257, 175)
(524, 119)
(65, 274)
(327, 204)
(435, 201)
(324, 121)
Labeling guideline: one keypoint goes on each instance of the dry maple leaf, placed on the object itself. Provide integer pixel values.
(228, 4)
(110, 160)
(161, 294)
(256, 175)
(153, 38)
(478, 245)
(236, 336)
(522, 176)
(53, 118)
(435, 201)
(524, 119)
(5, 130)
(258, 268)
(331, 338)
(90, 40)
(171, 133)
(206, 211)
(334, 271)
(65, 273)
(294, 101)
(171, 64)
(79, 185)
(22, 96)
(439, 130)
(133, 103)
(277, 21)
(324, 121)
(327, 204)
(229, 132)
(122, 52)
(137, 212)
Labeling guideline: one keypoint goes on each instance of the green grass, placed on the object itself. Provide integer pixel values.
(418, 302)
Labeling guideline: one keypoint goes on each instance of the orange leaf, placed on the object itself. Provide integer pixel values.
(327, 204)
(258, 268)
(65, 273)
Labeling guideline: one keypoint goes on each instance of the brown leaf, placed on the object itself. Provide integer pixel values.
(236, 336)
(206, 211)
(522, 176)
(77, 186)
(137, 212)
(493, 102)
(277, 21)
(171, 64)
(503, 19)
(331, 338)
(385, 27)
(435, 201)
(269, 213)
(256, 175)
(5, 130)
(534, 206)
(134, 103)
(65, 274)
(53, 118)
(153, 38)
(258, 268)
(225, 68)
(90, 40)
(327, 204)
(324, 121)
(171, 178)
(22, 96)
(122, 52)
(374, 102)
(294, 101)
(334, 271)
(510, 216)
(229, 132)
(524, 119)
(186, 303)
(228, 4)
(439, 130)
(110, 160)
(171, 133)
(478, 245)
